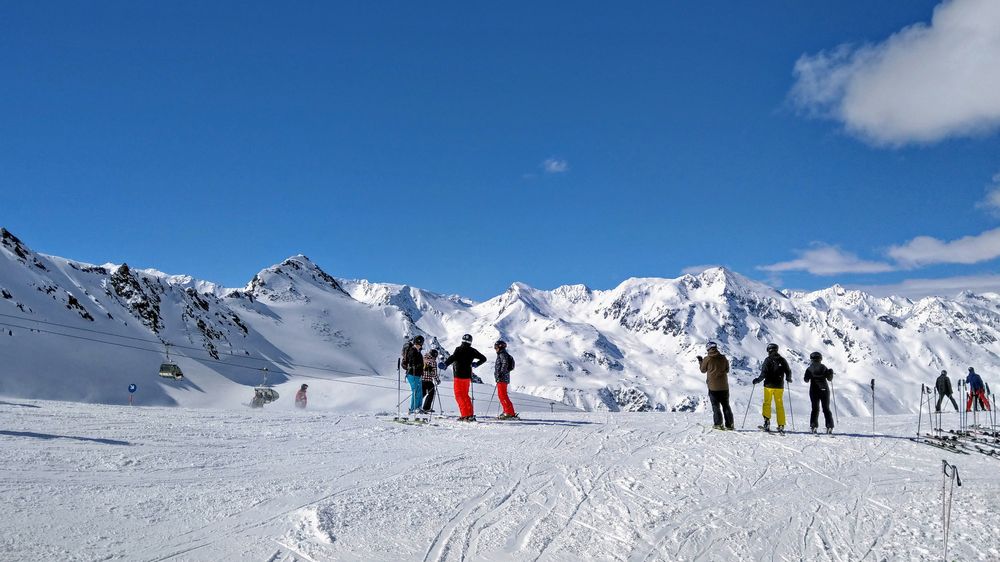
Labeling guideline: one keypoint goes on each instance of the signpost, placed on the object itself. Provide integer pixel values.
(131, 390)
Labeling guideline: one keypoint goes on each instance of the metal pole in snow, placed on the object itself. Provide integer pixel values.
(873, 407)
(920, 410)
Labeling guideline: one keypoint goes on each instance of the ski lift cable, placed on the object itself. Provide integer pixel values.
(177, 346)
(537, 401)
(192, 348)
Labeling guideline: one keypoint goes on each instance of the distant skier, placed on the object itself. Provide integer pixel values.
(430, 379)
(300, 396)
(943, 386)
(501, 373)
(414, 363)
(774, 372)
(818, 376)
(465, 359)
(716, 367)
(977, 391)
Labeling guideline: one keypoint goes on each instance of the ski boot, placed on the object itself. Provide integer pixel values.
(781, 429)
(812, 430)
(829, 431)
(766, 427)
(718, 426)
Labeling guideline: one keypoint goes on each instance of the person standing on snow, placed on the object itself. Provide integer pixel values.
(465, 359)
(943, 387)
(716, 367)
(977, 391)
(414, 375)
(300, 396)
(819, 376)
(774, 372)
(501, 373)
(430, 379)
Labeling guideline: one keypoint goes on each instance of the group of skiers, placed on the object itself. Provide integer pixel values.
(423, 378)
(977, 391)
(776, 374)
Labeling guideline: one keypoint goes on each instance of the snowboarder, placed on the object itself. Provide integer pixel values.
(501, 373)
(818, 376)
(716, 367)
(414, 363)
(943, 386)
(465, 359)
(430, 379)
(774, 372)
(300, 396)
(977, 392)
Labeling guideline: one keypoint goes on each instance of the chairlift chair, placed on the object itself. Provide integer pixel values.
(263, 393)
(169, 369)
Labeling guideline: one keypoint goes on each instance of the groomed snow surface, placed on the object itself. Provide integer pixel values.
(99, 482)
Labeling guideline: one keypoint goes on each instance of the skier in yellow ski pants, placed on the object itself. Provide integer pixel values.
(774, 372)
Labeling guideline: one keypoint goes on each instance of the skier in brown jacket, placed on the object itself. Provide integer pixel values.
(716, 366)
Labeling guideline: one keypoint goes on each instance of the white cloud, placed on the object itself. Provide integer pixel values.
(828, 260)
(925, 250)
(555, 166)
(944, 287)
(696, 269)
(992, 200)
(922, 84)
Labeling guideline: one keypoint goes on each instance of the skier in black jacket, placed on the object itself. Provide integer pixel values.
(465, 359)
(774, 372)
(819, 376)
(943, 387)
(414, 362)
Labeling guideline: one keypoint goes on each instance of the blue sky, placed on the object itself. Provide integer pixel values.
(461, 148)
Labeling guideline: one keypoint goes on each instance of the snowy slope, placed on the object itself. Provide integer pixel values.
(95, 482)
(632, 347)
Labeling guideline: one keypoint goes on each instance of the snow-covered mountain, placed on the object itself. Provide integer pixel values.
(632, 347)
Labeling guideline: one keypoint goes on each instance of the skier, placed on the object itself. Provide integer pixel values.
(465, 359)
(716, 367)
(501, 373)
(977, 391)
(774, 369)
(943, 386)
(414, 363)
(430, 379)
(818, 375)
(300, 396)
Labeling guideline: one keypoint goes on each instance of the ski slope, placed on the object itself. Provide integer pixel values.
(103, 482)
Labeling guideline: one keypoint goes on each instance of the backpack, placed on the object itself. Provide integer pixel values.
(404, 361)
(511, 362)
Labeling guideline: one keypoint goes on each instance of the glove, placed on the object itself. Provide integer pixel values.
(700, 358)
(757, 380)
(788, 380)
(442, 366)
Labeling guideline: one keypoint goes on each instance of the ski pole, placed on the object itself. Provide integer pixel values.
(749, 401)
(490, 405)
(791, 410)
(399, 387)
(920, 410)
(833, 398)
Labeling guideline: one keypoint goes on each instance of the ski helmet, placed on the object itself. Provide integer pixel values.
(434, 353)
(304, 386)
(500, 344)
(943, 372)
(971, 370)
(816, 356)
(772, 347)
(711, 345)
(418, 340)
(467, 338)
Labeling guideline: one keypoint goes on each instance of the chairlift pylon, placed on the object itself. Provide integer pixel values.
(169, 369)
